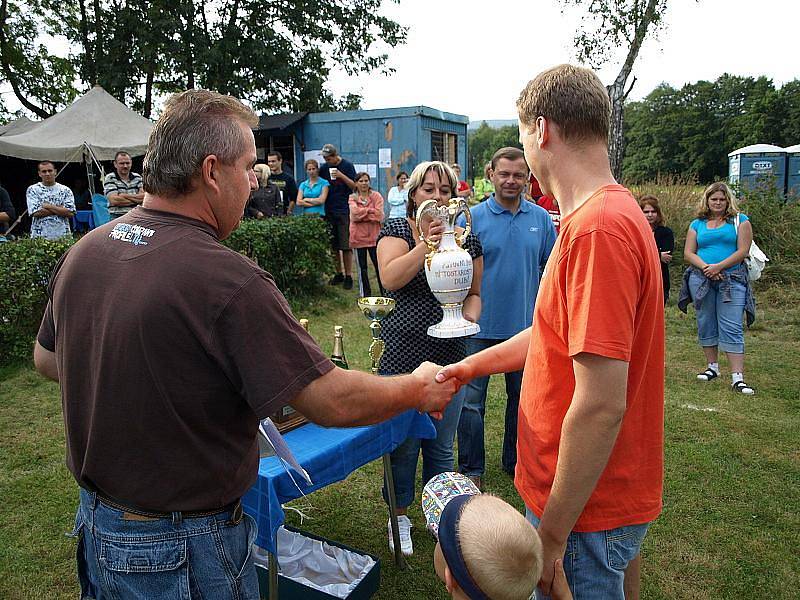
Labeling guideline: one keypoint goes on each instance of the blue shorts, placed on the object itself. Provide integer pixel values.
(595, 561)
(719, 317)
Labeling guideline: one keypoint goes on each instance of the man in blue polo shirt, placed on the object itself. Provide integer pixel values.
(517, 237)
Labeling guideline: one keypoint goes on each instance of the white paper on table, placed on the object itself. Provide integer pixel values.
(384, 157)
(267, 428)
(372, 170)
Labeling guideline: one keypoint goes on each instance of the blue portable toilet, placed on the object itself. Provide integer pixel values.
(382, 142)
(757, 166)
(793, 171)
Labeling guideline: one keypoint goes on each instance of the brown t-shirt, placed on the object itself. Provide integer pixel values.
(170, 347)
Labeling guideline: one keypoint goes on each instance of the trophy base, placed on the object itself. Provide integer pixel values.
(453, 329)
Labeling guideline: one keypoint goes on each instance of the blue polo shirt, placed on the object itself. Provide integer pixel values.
(515, 251)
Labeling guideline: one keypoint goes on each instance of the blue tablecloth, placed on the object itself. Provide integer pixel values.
(329, 455)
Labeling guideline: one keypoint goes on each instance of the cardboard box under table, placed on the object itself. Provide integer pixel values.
(329, 455)
(359, 581)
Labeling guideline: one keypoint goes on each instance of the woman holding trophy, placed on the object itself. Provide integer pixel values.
(403, 249)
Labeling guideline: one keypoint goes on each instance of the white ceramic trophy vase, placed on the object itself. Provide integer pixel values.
(448, 267)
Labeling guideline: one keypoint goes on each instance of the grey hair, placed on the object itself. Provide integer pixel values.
(194, 125)
(263, 173)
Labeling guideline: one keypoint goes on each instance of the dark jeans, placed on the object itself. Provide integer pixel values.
(471, 447)
(361, 259)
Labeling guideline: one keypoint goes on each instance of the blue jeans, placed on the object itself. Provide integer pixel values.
(595, 561)
(719, 317)
(437, 454)
(471, 449)
(121, 557)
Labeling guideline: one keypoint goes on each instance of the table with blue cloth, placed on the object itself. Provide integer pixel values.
(328, 455)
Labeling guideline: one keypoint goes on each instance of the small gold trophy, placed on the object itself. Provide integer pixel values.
(376, 308)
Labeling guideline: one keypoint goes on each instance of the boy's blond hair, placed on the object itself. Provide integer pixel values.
(573, 98)
(500, 547)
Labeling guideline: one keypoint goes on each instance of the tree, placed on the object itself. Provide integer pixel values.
(606, 26)
(275, 55)
(485, 141)
(41, 82)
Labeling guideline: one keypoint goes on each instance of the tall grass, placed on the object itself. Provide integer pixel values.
(776, 225)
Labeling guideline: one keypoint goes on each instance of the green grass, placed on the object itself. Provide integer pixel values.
(731, 521)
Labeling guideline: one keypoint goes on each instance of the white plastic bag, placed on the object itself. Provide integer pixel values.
(756, 260)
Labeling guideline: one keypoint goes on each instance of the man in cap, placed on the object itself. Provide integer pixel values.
(340, 173)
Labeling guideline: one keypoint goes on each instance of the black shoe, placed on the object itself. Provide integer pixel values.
(348, 283)
(337, 279)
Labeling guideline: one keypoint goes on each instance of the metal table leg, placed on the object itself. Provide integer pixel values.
(399, 559)
(272, 564)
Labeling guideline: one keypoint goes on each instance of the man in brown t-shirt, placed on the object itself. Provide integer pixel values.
(169, 348)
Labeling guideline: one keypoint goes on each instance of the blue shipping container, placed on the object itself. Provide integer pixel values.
(383, 141)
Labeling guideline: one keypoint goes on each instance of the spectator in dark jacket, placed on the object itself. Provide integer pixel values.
(285, 182)
(266, 200)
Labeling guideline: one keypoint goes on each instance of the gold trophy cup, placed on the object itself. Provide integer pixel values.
(376, 308)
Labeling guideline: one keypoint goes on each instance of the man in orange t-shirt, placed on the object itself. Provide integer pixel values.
(591, 420)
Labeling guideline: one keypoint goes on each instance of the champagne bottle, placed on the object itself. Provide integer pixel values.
(304, 324)
(338, 358)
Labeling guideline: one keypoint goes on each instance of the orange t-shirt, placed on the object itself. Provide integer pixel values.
(600, 293)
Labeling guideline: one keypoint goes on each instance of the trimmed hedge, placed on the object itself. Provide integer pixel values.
(25, 267)
(296, 251)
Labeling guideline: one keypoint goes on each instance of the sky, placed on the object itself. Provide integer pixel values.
(473, 57)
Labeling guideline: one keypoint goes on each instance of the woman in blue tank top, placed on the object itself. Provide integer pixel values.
(718, 281)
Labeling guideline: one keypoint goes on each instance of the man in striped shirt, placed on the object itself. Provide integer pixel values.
(122, 188)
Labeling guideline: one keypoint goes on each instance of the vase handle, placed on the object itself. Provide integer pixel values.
(462, 207)
(423, 208)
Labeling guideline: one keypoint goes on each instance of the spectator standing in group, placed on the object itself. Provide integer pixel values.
(312, 193)
(401, 255)
(483, 188)
(191, 345)
(717, 281)
(340, 174)
(265, 201)
(366, 215)
(285, 182)
(7, 212)
(397, 198)
(122, 187)
(50, 204)
(517, 237)
(590, 447)
(665, 239)
(463, 190)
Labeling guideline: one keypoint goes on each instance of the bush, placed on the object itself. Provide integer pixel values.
(294, 250)
(25, 267)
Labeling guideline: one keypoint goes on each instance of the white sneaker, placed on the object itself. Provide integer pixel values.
(404, 525)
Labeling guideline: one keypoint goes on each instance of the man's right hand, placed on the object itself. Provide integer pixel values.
(460, 373)
(435, 395)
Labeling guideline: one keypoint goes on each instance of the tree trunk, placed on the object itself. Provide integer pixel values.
(89, 66)
(148, 90)
(617, 93)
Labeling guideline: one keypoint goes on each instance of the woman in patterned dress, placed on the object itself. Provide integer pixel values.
(401, 256)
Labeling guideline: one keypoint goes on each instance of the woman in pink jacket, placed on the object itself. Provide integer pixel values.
(366, 215)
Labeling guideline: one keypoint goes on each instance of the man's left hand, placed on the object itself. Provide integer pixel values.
(552, 550)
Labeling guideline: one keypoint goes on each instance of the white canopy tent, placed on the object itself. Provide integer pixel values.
(16, 126)
(96, 124)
